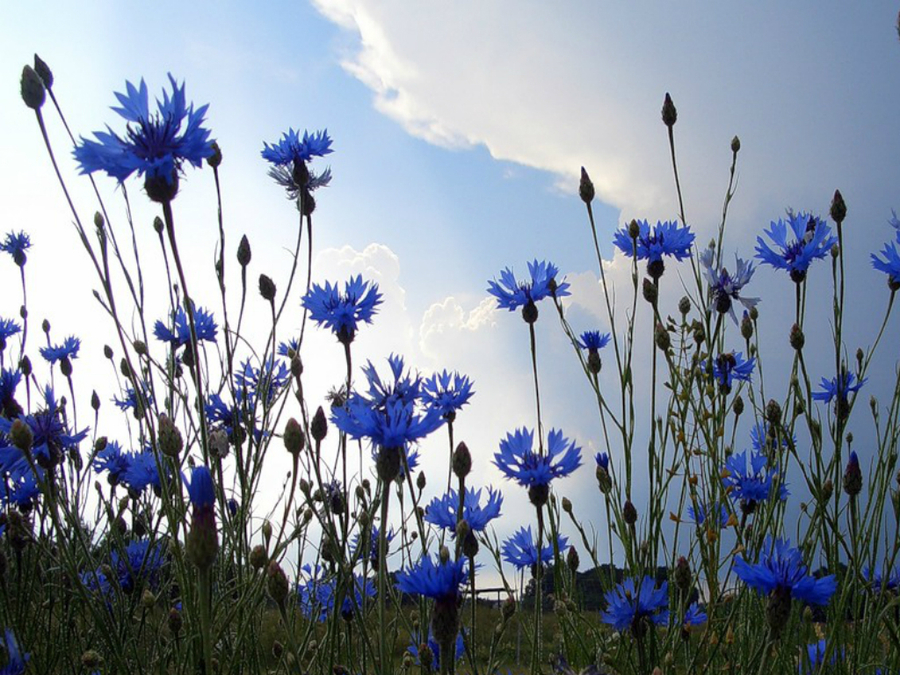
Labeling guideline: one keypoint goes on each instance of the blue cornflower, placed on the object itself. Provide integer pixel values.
(51, 436)
(888, 580)
(394, 427)
(113, 460)
(438, 580)
(203, 323)
(263, 384)
(781, 571)
(404, 387)
(635, 604)
(816, 654)
(154, 146)
(602, 460)
(201, 490)
(699, 513)
(812, 240)
(342, 312)
(754, 483)
(694, 616)
(447, 392)
(8, 328)
(522, 551)
(67, 350)
(731, 366)
(668, 238)
(443, 511)
(533, 470)
(372, 542)
(890, 265)
(285, 348)
(9, 380)
(142, 472)
(316, 595)
(435, 648)
(16, 245)
(512, 294)
(762, 442)
(132, 401)
(839, 388)
(141, 562)
(20, 489)
(724, 287)
(291, 148)
(16, 660)
(594, 340)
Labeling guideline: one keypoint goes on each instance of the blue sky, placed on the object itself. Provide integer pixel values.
(459, 130)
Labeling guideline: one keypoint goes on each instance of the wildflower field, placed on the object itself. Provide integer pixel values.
(132, 540)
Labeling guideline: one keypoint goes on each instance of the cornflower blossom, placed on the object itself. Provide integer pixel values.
(839, 388)
(142, 562)
(8, 328)
(262, 384)
(762, 442)
(890, 265)
(343, 312)
(435, 648)
(67, 350)
(202, 542)
(15, 659)
(699, 514)
(815, 652)
(9, 381)
(285, 348)
(694, 616)
(519, 462)
(731, 366)
(446, 392)
(665, 239)
(602, 460)
(521, 551)
(204, 325)
(751, 484)
(142, 472)
(131, 400)
(372, 554)
(113, 460)
(512, 294)
(291, 148)
(782, 575)
(888, 580)
(154, 146)
(438, 580)
(593, 341)
(812, 240)
(635, 604)
(51, 436)
(317, 595)
(443, 511)
(725, 288)
(16, 246)
(404, 387)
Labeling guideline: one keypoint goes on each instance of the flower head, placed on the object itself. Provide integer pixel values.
(522, 551)
(142, 562)
(812, 240)
(668, 238)
(67, 350)
(112, 460)
(731, 366)
(291, 148)
(16, 245)
(753, 482)
(154, 146)
(694, 616)
(438, 580)
(447, 392)
(443, 511)
(203, 323)
(530, 469)
(435, 648)
(201, 490)
(316, 595)
(343, 312)
(636, 603)
(700, 512)
(357, 545)
(781, 570)
(725, 288)
(134, 401)
(594, 340)
(764, 440)
(890, 265)
(15, 659)
(8, 328)
(262, 384)
(839, 388)
(512, 294)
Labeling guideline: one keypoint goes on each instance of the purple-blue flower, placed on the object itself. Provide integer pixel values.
(594, 340)
(142, 562)
(443, 511)
(519, 462)
(291, 148)
(731, 366)
(839, 388)
(113, 460)
(602, 460)
(694, 616)
(204, 325)
(512, 294)
(812, 240)
(8, 328)
(132, 401)
(373, 544)
(316, 595)
(16, 245)
(698, 514)
(262, 384)
(154, 146)
(51, 436)
(67, 350)
(200, 489)
(285, 348)
(342, 312)
(781, 569)
(763, 443)
(16, 660)
(633, 604)
(521, 550)
(435, 648)
(447, 392)
(724, 287)
(890, 265)
(438, 580)
(752, 482)
(668, 238)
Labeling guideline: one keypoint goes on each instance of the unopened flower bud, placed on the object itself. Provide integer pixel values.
(170, 441)
(243, 252)
(669, 114)
(215, 159)
(32, 88)
(827, 490)
(683, 576)
(277, 583)
(662, 337)
(266, 288)
(838, 208)
(629, 513)
(293, 437)
(462, 529)
(746, 327)
(572, 559)
(43, 71)
(319, 426)
(267, 531)
(738, 406)
(462, 461)
(684, 305)
(259, 558)
(853, 476)
(107, 351)
(95, 401)
(175, 621)
(148, 599)
(586, 188)
(420, 480)
(650, 291)
(296, 366)
(634, 229)
(735, 145)
(21, 436)
(567, 505)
